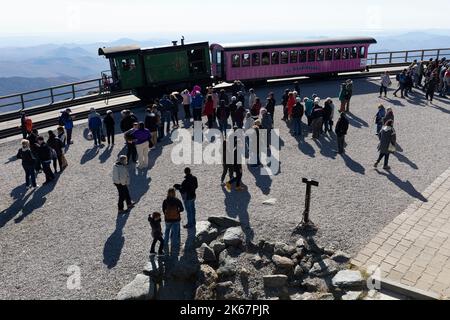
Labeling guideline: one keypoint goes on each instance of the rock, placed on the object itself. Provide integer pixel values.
(185, 269)
(347, 279)
(226, 270)
(205, 233)
(267, 247)
(141, 288)
(341, 257)
(224, 222)
(283, 262)
(153, 269)
(244, 273)
(325, 296)
(206, 254)
(217, 246)
(257, 261)
(206, 283)
(270, 202)
(298, 271)
(352, 295)
(283, 249)
(315, 284)
(234, 237)
(301, 243)
(329, 251)
(323, 268)
(302, 296)
(275, 281)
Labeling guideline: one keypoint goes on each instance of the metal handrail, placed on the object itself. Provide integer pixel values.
(405, 56)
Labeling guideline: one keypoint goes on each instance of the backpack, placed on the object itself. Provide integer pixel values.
(28, 124)
(172, 212)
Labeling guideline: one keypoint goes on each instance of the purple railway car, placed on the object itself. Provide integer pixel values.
(271, 60)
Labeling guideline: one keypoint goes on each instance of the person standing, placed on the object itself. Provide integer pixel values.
(128, 120)
(309, 105)
(291, 103)
(174, 110)
(233, 107)
(270, 105)
(187, 107)
(28, 164)
(223, 113)
(151, 123)
(385, 84)
(155, 224)
(341, 131)
(121, 179)
(401, 78)
(343, 96)
(142, 139)
(197, 105)
(131, 143)
(226, 167)
(240, 114)
(251, 98)
(431, 87)
(328, 112)
(256, 108)
(166, 112)
(172, 207)
(61, 135)
(187, 190)
(389, 116)
(26, 125)
(109, 123)
(387, 144)
(316, 119)
(58, 146)
(296, 116)
(237, 171)
(44, 154)
(209, 110)
(66, 120)
(379, 118)
(95, 125)
(284, 102)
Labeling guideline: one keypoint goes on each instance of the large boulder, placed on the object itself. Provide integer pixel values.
(206, 283)
(224, 222)
(141, 288)
(275, 281)
(323, 268)
(205, 233)
(315, 284)
(234, 237)
(348, 279)
(282, 249)
(206, 254)
(283, 262)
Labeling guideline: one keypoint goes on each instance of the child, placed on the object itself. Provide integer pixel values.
(155, 223)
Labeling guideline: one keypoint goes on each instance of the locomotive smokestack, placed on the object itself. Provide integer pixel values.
(182, 40)
(174, 43)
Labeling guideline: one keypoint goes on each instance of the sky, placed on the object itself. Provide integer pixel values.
(110, 19)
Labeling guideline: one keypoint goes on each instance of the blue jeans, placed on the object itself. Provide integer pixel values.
(297, 128)
(223, 126)
(30, 174)
(97, 134)
(173, 233)
(189, 205)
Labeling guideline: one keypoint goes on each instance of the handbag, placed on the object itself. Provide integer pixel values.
(392, 148)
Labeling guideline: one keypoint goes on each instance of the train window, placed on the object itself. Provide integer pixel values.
(311, 55)
(329, 54)
(128, 64)
(246, 60)
(346, 53)
(337, 53)
(235, 60)
(362, 52)
(265, 59)
(284, 57)
(255, 59)
(275, 57)
(320, 54)
(294, 56)
(302, 56)
(354, 53)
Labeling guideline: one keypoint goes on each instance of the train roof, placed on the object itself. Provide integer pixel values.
(115, 51)
(302, 43)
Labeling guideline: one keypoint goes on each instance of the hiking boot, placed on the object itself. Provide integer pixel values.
(375, 164)
(121, 211)
(386, 168)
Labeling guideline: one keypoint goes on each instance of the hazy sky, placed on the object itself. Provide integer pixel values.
(122, 17)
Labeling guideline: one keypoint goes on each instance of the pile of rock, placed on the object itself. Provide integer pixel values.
(223, 265)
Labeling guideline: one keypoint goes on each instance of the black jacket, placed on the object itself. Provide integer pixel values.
(188, 187)
(327, 111)
(298, 110)
(223, 113)
(56, 144)
(26, 156)
(270, 106)
(151, 122)
(156, 227)
(109, 122)
(43, 152)
(341, 126)
(127, 122)
(317, 112)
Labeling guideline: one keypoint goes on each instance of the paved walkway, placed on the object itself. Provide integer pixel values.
(414, 249)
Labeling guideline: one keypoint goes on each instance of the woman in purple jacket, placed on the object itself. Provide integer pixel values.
(142, 139)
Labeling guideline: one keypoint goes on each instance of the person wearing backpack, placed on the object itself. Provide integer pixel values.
(172, 207)
(151, 123)
(379, 118)
(223, 113)
(28, 163)
(187, 190)
(401, 78)
(66, 120)
(387, 144)
(26, 125)
(58, 146)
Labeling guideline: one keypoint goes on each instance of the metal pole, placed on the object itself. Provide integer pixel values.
(376, 58)
(390, 57)
(423, 54)
(22, 101)
(73, 91)
(51, 95)
(438, 54)
(406, 56)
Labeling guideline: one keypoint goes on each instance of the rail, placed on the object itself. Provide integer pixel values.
(404, 57)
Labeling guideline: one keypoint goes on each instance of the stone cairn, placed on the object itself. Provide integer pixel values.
(218, 263)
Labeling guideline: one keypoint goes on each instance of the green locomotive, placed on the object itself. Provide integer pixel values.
(151, 72)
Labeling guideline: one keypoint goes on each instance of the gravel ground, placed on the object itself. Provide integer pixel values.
(75, 222)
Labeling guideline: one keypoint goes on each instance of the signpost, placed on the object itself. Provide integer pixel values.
(306, 222)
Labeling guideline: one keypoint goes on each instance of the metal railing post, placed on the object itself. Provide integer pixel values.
(376, 58)
(423, 55)
(73, 91)
(438, 54)
(390, 57)
(22, 101)
(51, 95)
(406, 56)
(99, 86)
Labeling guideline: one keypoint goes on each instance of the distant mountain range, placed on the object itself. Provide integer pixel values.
(35, 67)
